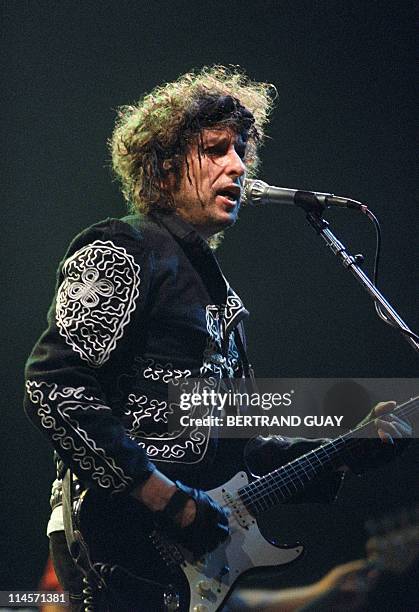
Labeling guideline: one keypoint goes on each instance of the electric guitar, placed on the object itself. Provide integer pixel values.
(128, 554)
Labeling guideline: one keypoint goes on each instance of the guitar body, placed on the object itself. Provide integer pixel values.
(119, 532)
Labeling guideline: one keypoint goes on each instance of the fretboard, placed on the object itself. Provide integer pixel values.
(289, 480)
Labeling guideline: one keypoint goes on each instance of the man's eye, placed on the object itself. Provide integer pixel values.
(214, 150)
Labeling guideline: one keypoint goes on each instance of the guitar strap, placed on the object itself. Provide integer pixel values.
(75, 541)
(67, 507)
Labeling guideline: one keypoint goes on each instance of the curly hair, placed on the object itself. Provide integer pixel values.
(151, 138)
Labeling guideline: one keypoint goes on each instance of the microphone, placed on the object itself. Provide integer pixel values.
(258, 192)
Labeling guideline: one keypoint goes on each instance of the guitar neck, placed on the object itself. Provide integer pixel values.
(287, 481)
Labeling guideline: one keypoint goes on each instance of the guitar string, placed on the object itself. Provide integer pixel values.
(345, 439)
(279, 485)
(275, 483)
(268, 487)
(273, 487)
(278, 482)
(304, 460)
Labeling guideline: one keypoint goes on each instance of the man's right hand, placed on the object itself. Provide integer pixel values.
(209, 527)
(194, 520)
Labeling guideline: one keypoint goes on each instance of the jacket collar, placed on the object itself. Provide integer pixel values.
(204, 261)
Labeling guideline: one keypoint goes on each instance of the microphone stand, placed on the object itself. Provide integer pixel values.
(314, 210)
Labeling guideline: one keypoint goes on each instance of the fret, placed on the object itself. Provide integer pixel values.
(301, 483)
(277, 484)
(283, 485)
(303, 462)
(316, 456)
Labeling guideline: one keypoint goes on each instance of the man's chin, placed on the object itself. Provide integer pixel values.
(229, 217)
(227, 221)
(222, 222)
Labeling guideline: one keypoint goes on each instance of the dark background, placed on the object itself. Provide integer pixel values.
(344, 72)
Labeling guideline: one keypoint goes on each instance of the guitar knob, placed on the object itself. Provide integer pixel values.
(203, 587)
(200, 608)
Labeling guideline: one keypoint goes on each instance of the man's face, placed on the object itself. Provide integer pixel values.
(210, 201)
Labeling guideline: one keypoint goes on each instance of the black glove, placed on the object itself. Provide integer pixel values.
(209, 528)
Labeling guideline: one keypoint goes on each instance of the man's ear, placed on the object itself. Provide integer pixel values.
(167, 182)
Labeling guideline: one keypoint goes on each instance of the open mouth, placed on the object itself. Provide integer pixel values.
(231, 194)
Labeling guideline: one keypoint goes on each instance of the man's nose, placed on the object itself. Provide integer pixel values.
(235, 164)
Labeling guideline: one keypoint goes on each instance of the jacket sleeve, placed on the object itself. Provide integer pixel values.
(100, 300)
(264, 454)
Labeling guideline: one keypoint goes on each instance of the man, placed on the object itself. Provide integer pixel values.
(141, 301)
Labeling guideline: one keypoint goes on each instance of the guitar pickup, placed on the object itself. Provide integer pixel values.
(238, 508)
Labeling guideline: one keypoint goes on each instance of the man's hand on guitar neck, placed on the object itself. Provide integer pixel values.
(187, 515)
(388, 436)
(389, 426)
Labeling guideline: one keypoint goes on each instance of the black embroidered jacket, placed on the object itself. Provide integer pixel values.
(140, 302)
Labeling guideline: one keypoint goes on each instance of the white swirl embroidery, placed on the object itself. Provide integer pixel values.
(166, 373)
(234, 305)
(68, 433)
(212, 316)
(90, 288)
(185, 444)
(96, 299)
(176, 452)
(213, 360)
(153, 409)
